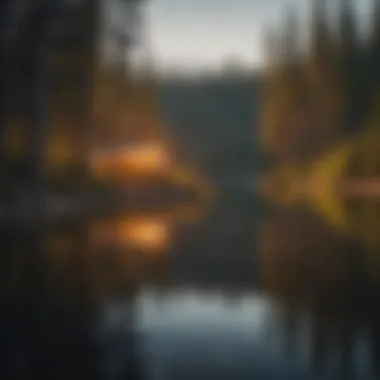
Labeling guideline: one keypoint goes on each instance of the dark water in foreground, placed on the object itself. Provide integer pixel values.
(227, 293)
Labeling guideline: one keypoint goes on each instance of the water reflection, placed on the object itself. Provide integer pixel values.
(166, 290)
(296, 291)
(224, 342)
(82, 281)
(308, 266)
(147, 233)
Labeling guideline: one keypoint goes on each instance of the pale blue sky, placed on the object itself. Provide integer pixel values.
(194, 33)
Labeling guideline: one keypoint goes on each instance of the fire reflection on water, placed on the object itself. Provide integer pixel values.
(151, 234)
(108, 257)
(147, 233)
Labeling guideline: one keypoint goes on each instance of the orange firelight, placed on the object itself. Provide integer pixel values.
(145, 233)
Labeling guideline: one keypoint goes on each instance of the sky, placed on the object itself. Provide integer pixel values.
(190, 34)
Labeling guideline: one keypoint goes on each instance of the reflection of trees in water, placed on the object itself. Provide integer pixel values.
(51, 301)
(308, 266)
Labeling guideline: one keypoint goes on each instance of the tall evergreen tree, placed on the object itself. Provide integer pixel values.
(269, 90)
(324, 81)
(291, 38)
(320, 40)
(292, 59)
(373, 51)
(285, 93)
(322, 76)
(350, 62)
(271, 48)
(375, 37)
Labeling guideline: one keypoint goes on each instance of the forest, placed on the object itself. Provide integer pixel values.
(319, 121)
(319, 132)
(75, 117)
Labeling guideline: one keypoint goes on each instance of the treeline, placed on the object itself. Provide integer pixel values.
(47, 66)
(314, 98)
(198, 110)
(62, 92)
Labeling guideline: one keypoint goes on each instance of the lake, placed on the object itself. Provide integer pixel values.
(228, 291)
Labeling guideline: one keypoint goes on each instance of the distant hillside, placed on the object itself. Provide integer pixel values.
(212, 121)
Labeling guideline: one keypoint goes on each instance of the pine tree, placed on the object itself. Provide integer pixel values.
(276, 99)
(376, 36)
(320, 52)
(372, 74)
(291, 53)
(350, 62)
(269, 91)
(15, 75)
(271, 49)
(326, 95)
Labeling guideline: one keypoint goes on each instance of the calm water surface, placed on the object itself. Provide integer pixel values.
(277, 295)
(226, 292)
